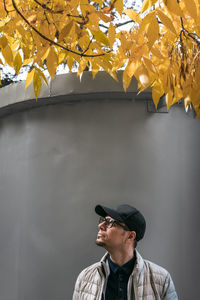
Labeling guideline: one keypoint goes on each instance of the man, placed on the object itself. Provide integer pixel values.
(122, 274)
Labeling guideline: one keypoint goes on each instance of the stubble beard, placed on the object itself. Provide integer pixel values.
(100, 244)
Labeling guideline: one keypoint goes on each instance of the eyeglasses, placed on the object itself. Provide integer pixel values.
(110, 222)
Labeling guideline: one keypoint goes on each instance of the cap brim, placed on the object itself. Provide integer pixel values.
(104, 211)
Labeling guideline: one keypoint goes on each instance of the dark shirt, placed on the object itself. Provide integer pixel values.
(116, 288)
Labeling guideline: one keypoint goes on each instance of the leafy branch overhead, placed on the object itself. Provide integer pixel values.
(161, 49)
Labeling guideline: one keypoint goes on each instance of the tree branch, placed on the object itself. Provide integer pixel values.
(5, 8)
(88, 46)
(122, 24)
(44, 6)
(101, 25)
(193, 36)
(4, 2)
(117, 25)
(51, 41)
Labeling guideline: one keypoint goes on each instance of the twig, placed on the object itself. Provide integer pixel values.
(122, 24)
(51, 41)
(87, 46)
(44, 6)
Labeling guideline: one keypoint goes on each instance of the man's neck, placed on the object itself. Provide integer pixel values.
(121, 257)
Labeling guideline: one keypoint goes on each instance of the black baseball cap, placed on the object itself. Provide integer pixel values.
(127, 214)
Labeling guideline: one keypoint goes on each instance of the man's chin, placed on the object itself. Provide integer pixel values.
(100, 244)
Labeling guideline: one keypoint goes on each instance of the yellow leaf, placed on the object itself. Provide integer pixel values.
(108, 60)
(100, 2)
(61, 57)
(126, 79)
(36, 84)
(65, 31)
(101, 37)
(2, 11)
(42, 52)
(105, 64)
(157, 92)
(197, 111)
(153, 32)
(132, 14)
(119, 5)
(70, 62)
(44, 28)
(29, 77)
(120, 59)
(83, 6)
(46, 53)
(52, 62)
(14, 45)
(197, 29)
(124, 42)
(94, 20)
(41, 74)
(155, 51)
(95, 69)
(27, 61)
(17, 63)
(132, 68)
(111, 34)
(191, 8)
(84, 41)
(32, 19)
(20, 29)
(194, 96)
(37, 60)
(105, 18)
(164, 77)
(3, 41)
(82, 65)
(37, 39)
(143, 76)
(187, 102)
(169, 99)
(114, 76)
(8, 55)
(147, 4)
(166, 21)
(173, 6)
(1, 63)
(146, 21)
(149, 65)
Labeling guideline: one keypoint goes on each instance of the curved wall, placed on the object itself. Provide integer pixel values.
(58, 162)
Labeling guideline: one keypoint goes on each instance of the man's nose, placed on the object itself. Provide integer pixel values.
(102, 225)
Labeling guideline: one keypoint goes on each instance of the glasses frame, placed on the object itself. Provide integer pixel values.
(110, 222)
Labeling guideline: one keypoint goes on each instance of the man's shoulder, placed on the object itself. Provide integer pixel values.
(149, 266)
(155, 269)
(158, 277)
(90, 270)
(88, 281)
(96, 270)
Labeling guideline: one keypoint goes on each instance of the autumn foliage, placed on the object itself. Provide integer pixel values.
(161, 50)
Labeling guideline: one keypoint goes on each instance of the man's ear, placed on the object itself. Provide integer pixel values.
(132, 235)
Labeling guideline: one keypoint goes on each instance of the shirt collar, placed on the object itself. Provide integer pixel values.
(126, 268)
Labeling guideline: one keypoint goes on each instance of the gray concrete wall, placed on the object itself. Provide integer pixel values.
(58, 162)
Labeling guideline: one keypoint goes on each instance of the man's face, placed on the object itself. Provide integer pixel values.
(111, 237)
